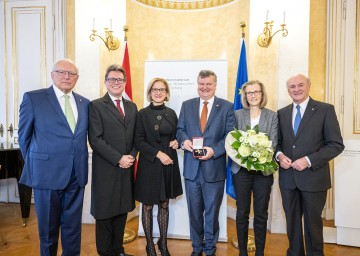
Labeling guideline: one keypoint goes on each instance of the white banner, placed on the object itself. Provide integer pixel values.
(182, 78)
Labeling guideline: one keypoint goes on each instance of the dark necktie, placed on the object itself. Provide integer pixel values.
(119, 108)
(203, 117)
(297, 119)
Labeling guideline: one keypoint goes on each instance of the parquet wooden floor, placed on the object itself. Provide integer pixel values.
(25, 242)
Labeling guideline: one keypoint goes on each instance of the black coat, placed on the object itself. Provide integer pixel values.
(155, 128)
(111, 137)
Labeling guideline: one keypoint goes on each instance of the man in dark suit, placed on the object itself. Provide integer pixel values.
(211, 118)
(112, 122)
(309, 137)
(52, 137)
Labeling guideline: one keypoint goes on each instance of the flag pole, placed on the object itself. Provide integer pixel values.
(126, 29)
(243, 27)
(129, 234)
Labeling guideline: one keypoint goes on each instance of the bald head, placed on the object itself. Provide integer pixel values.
(298, 88)
(65, 75)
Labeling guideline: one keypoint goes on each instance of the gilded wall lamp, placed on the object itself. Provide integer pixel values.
(111, 42)
(265, 39)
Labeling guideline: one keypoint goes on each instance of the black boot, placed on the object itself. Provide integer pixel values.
(147, 222)
(163, 221)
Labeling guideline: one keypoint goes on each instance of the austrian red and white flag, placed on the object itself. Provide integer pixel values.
(126, 66)
(128, 89)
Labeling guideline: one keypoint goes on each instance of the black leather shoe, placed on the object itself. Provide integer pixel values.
(196, 254)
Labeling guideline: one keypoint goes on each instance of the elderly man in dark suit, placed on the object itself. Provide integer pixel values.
(112, 122)
(52, 137)
(212, 119)
(309, 137)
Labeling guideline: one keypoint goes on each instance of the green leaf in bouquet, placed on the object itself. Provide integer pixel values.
(236, 134)
(236, 145)
(243, 160)
(256, 128)
(248, 165)
(259, 166)
(274, 166)
(268, 166)
(267, 172)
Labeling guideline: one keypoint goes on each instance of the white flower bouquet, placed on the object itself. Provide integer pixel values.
(252, 150)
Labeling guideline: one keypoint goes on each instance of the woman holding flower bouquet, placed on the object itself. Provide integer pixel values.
(255, 152)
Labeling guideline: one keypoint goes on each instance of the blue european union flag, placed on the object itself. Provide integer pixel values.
(242, 77)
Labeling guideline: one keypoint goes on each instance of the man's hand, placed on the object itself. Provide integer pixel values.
(209, 153)
(126, 161)
(284, 161)
(188, 145)
(300, 164)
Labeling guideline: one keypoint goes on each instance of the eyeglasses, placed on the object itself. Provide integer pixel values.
(255, 93)
(64, 73)
(112, 80)
(155, 90)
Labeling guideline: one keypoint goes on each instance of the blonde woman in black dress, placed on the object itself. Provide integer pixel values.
(158, 175)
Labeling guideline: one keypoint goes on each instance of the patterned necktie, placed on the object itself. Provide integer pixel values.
(297, 119)
(203, 117)
(69, 114)
(119, 108)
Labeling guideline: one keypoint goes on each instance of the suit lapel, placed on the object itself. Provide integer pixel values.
(195, 109)
(81, 110)
(127, 109)
(110, 106)
(215, 108)
(263, 117)
(247, 120)
(288, 120)
(56, 105)
(310, 110)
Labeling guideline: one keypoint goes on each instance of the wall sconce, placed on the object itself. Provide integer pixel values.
(111, 42)
(264, 39)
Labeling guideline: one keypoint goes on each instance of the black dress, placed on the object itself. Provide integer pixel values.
(155, 128)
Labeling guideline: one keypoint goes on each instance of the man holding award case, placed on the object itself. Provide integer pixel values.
(203, 125)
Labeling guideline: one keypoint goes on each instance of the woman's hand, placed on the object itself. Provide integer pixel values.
(164, 158)
(174, 144)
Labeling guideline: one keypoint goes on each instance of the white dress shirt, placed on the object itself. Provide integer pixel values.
(60, 96)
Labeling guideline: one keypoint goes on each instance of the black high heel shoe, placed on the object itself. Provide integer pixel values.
(163, 248)
(150, 250)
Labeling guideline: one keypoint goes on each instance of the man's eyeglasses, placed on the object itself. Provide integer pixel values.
(64, 73)
(255, 93)
(155, 90)
(113, 80)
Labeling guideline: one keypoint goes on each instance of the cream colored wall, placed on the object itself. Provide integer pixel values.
(70, 29)
(159, 34)
(317, 49)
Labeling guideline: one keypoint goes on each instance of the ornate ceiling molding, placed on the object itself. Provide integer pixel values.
(184, 5)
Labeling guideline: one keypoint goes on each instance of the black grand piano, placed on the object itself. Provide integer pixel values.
(11, 162)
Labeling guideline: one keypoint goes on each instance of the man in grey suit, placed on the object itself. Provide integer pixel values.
(112, 122)
(309, 137)
(212, 119)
